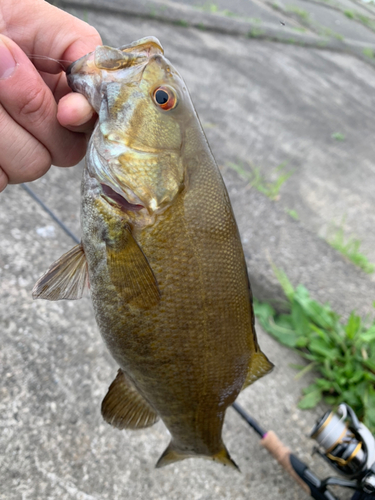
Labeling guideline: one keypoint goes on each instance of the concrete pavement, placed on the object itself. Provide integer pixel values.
(261, 103)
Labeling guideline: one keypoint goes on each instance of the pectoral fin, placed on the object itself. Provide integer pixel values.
(259, 366)
(125, 408)
(131, 273)
(67, 278)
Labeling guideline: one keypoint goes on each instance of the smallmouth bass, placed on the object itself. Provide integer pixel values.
(162, 255)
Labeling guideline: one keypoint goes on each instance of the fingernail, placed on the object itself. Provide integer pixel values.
(7, 62)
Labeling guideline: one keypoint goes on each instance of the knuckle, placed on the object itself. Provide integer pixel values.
(35, 105)
(36, 161)
(73, 154)
(30, 162)
(22, 157)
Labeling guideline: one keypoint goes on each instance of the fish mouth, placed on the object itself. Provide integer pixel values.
(113, 197)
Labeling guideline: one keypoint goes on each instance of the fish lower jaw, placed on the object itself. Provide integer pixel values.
(124, 201)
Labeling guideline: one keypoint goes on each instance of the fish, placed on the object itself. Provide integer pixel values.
(161, 254)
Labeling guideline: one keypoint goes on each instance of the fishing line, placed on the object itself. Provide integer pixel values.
(253, 423)
(50, 213)
(46, 58)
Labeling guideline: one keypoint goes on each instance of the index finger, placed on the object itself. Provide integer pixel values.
(48, 32)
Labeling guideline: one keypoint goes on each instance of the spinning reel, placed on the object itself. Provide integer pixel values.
(349, 447)
(344, 443)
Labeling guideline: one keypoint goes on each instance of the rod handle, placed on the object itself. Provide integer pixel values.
(282, 454)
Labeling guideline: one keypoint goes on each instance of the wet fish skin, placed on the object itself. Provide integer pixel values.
(168, 279)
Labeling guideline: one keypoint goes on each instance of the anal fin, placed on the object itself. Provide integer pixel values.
(125, 408)
(67, 278)
(259, 366)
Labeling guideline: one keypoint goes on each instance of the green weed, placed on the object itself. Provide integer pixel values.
(269, 188)
(214, 9)
(182, 22)
(293, 214)
(303, 15)
(361, 18)
(350, 14)
(350, 249)
(368, 52)
(338, 136)
(328, 32)
(255, 33)
(342, 354)
(211, 7)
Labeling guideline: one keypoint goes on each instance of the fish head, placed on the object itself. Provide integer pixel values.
(144, 108)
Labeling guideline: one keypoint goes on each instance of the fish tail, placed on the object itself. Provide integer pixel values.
(224, 458)
(172, 454)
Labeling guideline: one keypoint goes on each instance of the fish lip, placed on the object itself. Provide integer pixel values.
(119, 199)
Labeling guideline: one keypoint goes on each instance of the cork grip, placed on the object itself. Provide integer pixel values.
(281, 453)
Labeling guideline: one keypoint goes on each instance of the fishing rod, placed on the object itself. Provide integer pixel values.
(343, 442)
(346, 444)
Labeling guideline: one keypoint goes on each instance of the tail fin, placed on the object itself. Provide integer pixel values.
(224, 458)
(171, 455)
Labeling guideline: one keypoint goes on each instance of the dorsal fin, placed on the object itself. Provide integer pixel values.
(125, 408)
(67, 278)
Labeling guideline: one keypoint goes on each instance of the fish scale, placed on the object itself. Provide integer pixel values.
(163, 256)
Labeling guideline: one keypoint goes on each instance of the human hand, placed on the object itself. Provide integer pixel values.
(35, 131)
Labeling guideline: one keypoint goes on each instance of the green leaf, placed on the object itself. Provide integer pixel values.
(368, 336)
(284, 282)
(310, 400)
(299, 319)
(302, 342)
(332, 400)
(353, 325)
(305, 370)
(342, 354)
(263, 311)
(287, 338)
(369, 364)
(323, 384)
(285, 322)
(319, 346)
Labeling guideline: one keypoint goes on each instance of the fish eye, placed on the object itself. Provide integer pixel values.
(165, 98)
